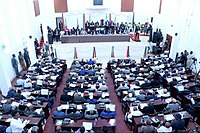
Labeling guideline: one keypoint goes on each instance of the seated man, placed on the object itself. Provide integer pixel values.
(129, 97)
(75, 114)
(103, 99)
(91, 100)
(18, 95)
(67, 97)
(90, 62)
(134, 112)
(141, 96)
(103, 87)
(165, 128)
(27, 83)
(173, 105)
(148, 128)
(7, 106)
(91, 114)
(59, 113)
(122, 88)
(148, 109)
(78, 98)
(107, 113)
(11, 92)
(178, 123)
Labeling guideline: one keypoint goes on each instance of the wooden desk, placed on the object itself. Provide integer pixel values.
(34, 121)
(96, 127)
(137, 121)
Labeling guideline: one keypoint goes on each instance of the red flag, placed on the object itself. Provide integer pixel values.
(127, 52)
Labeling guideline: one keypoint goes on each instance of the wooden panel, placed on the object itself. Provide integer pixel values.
(36, 7)
(127, 5)
(60, 6)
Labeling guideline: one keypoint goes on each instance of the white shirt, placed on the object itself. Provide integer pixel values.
(163, 129)
(17, 126)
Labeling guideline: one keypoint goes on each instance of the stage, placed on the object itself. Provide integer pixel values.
(95, 38)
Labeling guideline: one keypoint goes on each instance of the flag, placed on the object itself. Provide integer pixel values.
(127, 52)
(115, 19)
(110, 19)
(83, 20)
(106, 17)
(145, 51)
(77, 21)
(94, 53)
(112, 52)
(89, 18)
(75, 53)
(133, 23)
(55, 53)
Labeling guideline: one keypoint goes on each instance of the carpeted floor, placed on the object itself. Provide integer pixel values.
(49, 127)
(121, 126)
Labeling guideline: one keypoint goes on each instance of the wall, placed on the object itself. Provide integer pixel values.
(75, 12)
(17, 23)
(182, 18)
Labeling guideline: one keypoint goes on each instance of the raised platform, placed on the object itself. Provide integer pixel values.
(95, 38)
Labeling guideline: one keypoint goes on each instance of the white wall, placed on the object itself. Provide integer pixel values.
(94, 13)
(17, 22)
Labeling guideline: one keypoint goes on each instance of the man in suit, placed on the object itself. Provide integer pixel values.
(91, 114)
(27, 58)
(178, 123)
(15, 65)
(21, 60)
(173, 106)
(148, 128)
(78, 98)
(59, 113)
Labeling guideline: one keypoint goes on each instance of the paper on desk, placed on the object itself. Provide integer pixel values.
(3, 101)
(105, 94)
(111, 106)
(44, 91)
(39, 82)
(180, 88)
(79, 107)
(142, 105)
(168, 117)
(26, 94)
(141, 82)
(54, 77)
(65, 106)
(8, 120)
(137, 92)
(87, 125)
(90, 107)
(112, 122)
(28, 104)
(15, 104)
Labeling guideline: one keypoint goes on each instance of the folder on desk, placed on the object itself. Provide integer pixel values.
(168, 117)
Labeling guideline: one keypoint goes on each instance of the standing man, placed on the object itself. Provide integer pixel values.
(27, 58)
(21, 60)
(36, 44)
(15, 65)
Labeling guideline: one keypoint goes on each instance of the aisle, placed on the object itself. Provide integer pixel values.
(121, 126)
(49, 126)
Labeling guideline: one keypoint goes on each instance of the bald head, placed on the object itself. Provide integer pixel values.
(167, 125)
